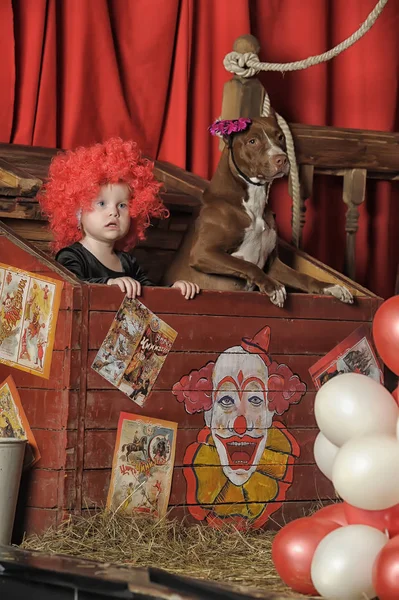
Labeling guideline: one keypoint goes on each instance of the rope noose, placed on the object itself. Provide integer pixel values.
(248, 65)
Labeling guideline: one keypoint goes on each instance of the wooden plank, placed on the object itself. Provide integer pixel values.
(304, 263)
(71, 454)
(100, 444)
(81, 406)
(57, 448)
(177, 179)
(216, 334)
(18, 257)
(19, 208)
(27, 381)
(164, 301)
(64, 337)
(73, 404)
(18, 178)
(308, 485)
(103, 408)
(336, 147)
(289, 511)
(46, 409)
(31, 229)
(178, 364)
(38, 520)
(43, 489)
(34, 159)
(52, 446)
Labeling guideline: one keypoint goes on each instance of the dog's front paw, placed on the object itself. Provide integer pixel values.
(279, 296)
(275, 290)
(340, 292)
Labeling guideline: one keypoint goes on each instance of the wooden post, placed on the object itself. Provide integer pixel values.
(353, 195)
(243, 96)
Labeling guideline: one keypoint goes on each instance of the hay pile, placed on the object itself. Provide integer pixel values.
(228, 556)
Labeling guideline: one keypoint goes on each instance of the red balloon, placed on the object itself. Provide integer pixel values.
(293, 549)
(384, 520)
(386, 333)
(386, 571)
(333, 512)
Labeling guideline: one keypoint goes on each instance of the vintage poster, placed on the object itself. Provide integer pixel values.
(29, 305)
(134, 350)
(142, 466)
(13, 421)
(355, 354)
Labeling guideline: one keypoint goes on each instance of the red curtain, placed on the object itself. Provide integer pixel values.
(78, 71)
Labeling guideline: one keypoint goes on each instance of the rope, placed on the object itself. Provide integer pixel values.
(248, 65)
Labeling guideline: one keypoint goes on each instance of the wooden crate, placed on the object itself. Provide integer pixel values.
(74, 413)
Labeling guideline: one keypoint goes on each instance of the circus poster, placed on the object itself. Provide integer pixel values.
(355, 354)
(29, 306)
(13, 421)
(134, 350)
(142, 465)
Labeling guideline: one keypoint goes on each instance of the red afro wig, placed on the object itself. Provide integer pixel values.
(75, 179)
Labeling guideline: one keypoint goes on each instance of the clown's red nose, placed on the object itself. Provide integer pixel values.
(240, 425)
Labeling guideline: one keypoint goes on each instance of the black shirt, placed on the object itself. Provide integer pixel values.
(82, 263)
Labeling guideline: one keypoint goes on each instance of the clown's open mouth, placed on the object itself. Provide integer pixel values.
(240, 451)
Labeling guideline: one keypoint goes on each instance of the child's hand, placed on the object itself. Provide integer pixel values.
(128, 285)
(188, 289)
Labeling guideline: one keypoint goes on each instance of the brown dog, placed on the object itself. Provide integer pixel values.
(234, 237)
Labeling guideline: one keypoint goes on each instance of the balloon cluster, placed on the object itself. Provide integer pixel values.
(350, 550)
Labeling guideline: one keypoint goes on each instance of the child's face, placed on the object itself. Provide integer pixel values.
(109, 220)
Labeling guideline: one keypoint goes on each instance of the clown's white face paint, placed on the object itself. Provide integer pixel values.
(239, 417)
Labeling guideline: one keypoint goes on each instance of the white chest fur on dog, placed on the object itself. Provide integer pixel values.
(259, 240)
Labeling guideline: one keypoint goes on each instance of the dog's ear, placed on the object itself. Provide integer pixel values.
(272, 112)
(228, 140)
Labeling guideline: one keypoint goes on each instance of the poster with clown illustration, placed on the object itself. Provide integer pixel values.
(29, 306)
(241, 465)
(142, 465)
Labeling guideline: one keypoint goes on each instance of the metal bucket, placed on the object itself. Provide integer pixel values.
(12, 452)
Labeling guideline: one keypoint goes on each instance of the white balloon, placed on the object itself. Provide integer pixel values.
(324, 454)
(365, 472)
(351, 404)
(343, 561)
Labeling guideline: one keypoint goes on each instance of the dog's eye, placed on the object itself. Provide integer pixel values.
(252, 141)
(280, 137)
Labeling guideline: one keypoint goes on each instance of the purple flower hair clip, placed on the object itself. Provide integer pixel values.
(227, 127)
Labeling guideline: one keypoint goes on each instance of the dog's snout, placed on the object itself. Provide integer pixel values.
(280, 161)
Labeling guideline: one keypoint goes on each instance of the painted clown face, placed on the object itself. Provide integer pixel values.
(239, 418)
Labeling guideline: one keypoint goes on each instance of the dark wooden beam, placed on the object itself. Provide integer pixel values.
(335, 148)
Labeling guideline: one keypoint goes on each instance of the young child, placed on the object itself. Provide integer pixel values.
(99, 201)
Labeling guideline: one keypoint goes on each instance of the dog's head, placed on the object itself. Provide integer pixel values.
(259, 151)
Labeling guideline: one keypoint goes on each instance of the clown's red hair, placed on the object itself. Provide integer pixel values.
(75, 179)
